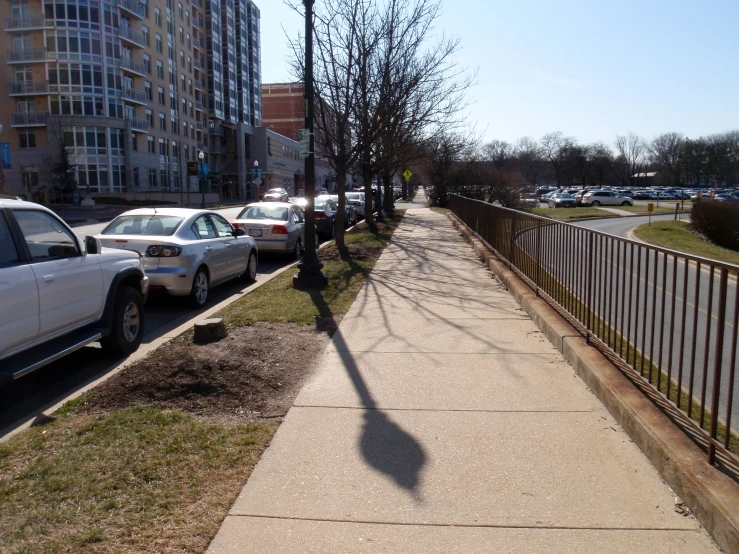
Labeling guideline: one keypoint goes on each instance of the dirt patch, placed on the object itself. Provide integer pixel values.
(351, 253)
(364, 228)
(253, 373)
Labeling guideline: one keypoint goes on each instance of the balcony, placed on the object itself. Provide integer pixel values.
(198, 85)
(198, 42)
(196, 64)
(200, 146)
(129, 35)
(28, 119)
(133, 66)
(29, 55)
(139, 124)
(197, 21)
(198, 106)
(28, 23)
(134, 95)
(216, 130)
(28, 88)
(198, 4)
(199, 126)
(132, 7)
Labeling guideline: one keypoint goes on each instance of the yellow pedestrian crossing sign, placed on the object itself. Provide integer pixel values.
(407, 174)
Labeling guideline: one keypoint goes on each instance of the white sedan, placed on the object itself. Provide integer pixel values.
(185, 251)
(275, 226)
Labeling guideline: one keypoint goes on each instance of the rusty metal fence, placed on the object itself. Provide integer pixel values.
(667, 319)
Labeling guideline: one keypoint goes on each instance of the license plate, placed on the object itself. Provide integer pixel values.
(255, 232)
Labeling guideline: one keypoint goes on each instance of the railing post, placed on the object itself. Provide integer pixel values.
(512, 241)
(718, 360)
(589, 284)
(538, 256)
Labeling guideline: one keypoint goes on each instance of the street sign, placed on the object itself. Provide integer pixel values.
(407, 174)
(650, 207)
(257, 181)
(304, 140)
(192, 169)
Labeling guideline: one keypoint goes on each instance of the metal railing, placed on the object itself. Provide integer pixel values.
(28, 119)
(28, 22)
(139, 124)
(132, 7)
(27, 55)
(126, 33)
(198, 105)
(28, 87)
(667, 319)
(132, 65)
(134, 95)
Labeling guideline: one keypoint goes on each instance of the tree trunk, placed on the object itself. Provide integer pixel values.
(388, 203)
(369, 200)
(341, 185)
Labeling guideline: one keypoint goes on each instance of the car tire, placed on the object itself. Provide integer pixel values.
(625, 203)
(298, 250)
(200, 286)
(127, 330)
(250, 273)
(596, 203)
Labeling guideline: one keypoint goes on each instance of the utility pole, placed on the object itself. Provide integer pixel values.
(309, 274)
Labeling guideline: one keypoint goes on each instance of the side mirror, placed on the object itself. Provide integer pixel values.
(93, 245)
(239, 232)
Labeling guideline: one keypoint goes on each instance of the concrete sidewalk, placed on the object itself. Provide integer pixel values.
(441, 420)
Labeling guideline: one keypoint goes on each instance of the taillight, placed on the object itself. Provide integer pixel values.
(321, 215)
(279, 230)
(235, 225)
(163, 251)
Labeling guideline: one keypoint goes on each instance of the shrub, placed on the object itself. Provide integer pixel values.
(718, 222)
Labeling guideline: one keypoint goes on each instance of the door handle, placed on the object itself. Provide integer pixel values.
(228, 244)
(49, 278)
(208, 248)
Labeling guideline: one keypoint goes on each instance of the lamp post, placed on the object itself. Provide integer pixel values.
(309, 274)
(255, 177)
(201, 157)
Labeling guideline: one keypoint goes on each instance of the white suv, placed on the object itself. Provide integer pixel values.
(605, 198)
(59, 292)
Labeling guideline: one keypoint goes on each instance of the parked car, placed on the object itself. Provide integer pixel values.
(325, 214)
(274, 226)
(664, 196)
(276, 195)
(529, 200)
(561, 200)
(357, 200)
(351, 216)
(644, 195)
(185, 251)
(578, 196)
(543, 198)
(605, 198)
(61, 292)
(726, 197)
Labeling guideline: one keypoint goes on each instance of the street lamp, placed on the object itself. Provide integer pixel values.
(201, 157)
(309, 274)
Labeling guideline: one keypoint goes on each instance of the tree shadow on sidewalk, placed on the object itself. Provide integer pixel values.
(384, 444)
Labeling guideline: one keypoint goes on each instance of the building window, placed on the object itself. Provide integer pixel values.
(147, 90)
(147, 63)
(174, 126)
(160, 95)
(182, 35)
(159, 43)
(158, 17)
(182, 59)
(145, 32)
(150, 145)
(162, 122)
(152, 178)
(179, 10)
(160, 69)
(150, 117)
(136, 181)
(27, 138)
(164, 179)
(29, 178)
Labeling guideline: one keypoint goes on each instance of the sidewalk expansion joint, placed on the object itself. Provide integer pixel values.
(463, 410)
(467, 525)
(446, 352)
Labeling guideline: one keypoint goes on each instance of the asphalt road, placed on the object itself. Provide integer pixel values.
(27, 397)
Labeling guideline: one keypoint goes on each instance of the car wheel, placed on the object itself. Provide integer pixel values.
(596, 203)
(624, 203)
(332, 234)
(199, 292)
(128, 323)
(250, 273)
(298, 249)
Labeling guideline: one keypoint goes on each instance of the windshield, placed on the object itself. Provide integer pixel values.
(264, 212)
(148, 225)
(563, 195)
(276, 191)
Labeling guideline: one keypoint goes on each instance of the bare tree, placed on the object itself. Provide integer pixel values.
(632, 154)
(529, 159)
(665, 153)
(554, 147)
(57, 170)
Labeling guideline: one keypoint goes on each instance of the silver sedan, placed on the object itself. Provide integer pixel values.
(184, 251)
(275, 226)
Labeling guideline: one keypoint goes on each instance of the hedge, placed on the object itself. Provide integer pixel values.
(717, 221)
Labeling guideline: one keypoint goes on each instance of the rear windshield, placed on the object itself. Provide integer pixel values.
(149, 225)
(263, 212)
(562, 195)
(319, 205)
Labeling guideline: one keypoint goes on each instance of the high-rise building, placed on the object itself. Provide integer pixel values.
(132, 90)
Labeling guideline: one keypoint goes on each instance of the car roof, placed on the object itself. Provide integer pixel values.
(180, 212)
(271, 204)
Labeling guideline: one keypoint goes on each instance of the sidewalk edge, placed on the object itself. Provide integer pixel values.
(712, 496)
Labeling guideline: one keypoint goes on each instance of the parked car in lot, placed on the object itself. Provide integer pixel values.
(276, 195)
(529, 200)
(60, 292)
(605, 198)
(644, 195)
(357, 200)
(274, 226)
(561, 200)
(325, 214)
(726, 197)
(185, 252)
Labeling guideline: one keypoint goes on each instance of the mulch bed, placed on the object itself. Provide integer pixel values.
(254, 373)
(352, 253)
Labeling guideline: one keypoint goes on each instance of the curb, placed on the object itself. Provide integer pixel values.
(712, 496)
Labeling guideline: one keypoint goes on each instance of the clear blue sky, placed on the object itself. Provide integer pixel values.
(592, 69)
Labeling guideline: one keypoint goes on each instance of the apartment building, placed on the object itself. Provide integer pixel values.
(132, 90)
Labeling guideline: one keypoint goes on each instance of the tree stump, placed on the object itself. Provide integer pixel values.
(209, 330)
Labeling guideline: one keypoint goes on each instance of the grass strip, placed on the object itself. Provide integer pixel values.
(677, 236)
(569, 214)
(142, 479)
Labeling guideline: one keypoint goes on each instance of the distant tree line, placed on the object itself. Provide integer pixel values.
(499, 170)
